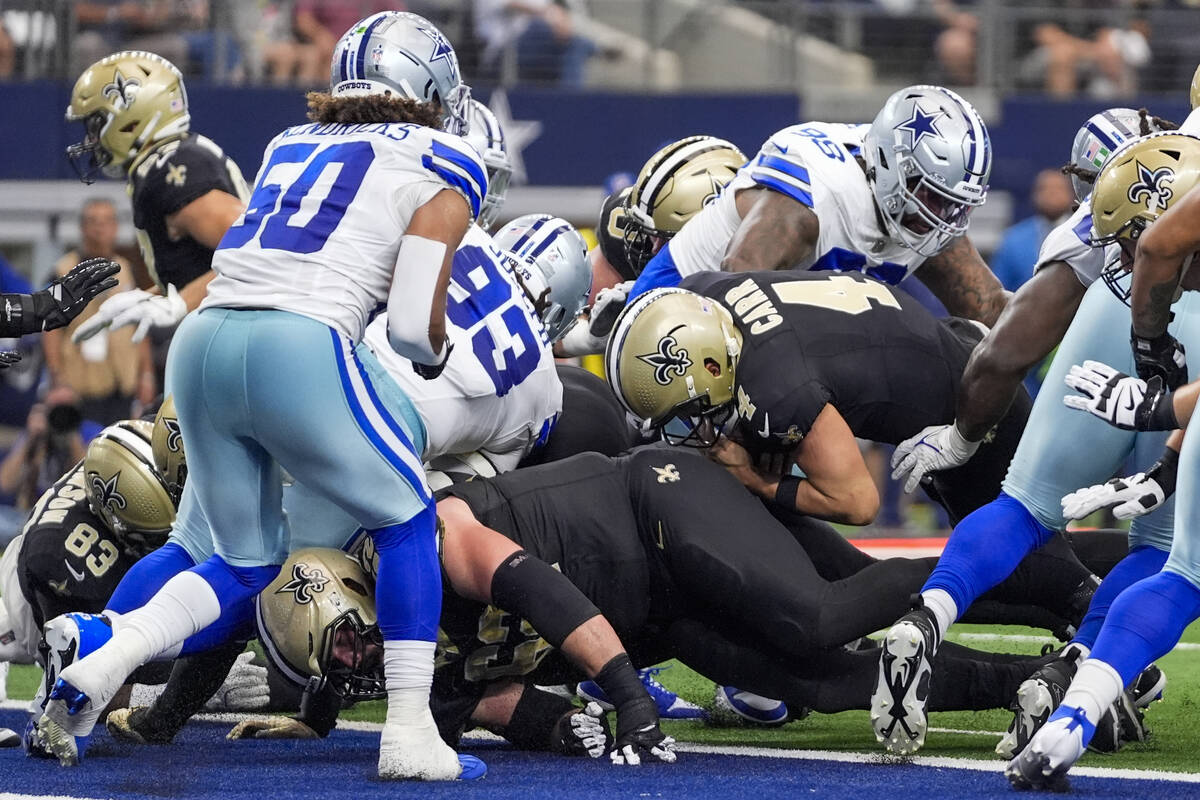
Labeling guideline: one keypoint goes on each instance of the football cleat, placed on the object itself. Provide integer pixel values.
(9, 738)
(735, 707)
(1121, 724)
(1037, 697)
(898, 712)
(65, 639)
(1148, 686)
(1051, 752)
(670, 705)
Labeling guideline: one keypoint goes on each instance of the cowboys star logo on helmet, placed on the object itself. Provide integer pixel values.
(921, 124)
(442, 51)
(106, 491)
(305, 581)
(668, 358)
(122, 90)
(1150, 185)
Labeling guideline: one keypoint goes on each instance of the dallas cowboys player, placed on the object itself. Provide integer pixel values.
(883, 199)
(265, 374)
(1048, 463)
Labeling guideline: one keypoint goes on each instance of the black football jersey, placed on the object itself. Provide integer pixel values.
(175, 174)
(610, 233)
(811, 338)
(69, 559)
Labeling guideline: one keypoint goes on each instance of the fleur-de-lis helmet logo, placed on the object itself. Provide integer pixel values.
(105, 491)
(1150, 186)
(669, 360)
(305, 581)
(174, 435)
(121, 91)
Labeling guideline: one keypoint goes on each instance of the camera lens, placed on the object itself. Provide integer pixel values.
(64, 418)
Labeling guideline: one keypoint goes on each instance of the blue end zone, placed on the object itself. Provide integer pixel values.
(202, 764)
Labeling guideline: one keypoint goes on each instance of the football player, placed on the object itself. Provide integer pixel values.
(56, 305)
(644, 538)
(635, 223)
(485, 135)
(186, 192)
(1064, 302)
(883, 199)
(1146, 205)
(269, 356)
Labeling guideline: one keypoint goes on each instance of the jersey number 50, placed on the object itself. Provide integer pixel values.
(352, 159)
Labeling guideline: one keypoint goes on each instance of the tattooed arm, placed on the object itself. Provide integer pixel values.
(776, 232)
(959, 278)
(1158, 264)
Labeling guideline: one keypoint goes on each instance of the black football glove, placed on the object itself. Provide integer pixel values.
(1162, 356)
(64, 299)
(8, 358)
(431, 371)
(639, 736)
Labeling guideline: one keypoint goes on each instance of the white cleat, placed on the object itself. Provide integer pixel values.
(898, 712)
(1052, 751)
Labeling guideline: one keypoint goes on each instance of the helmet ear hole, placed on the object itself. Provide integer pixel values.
(713, 367)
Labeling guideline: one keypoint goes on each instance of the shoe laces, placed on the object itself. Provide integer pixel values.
(650, 680)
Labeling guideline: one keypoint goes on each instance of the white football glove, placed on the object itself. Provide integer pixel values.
(1130, 497)
(936, 448)
(244, 689)
(272, 728)
(138, 307)
(587, 731)
(1121, 400)
(608, 306)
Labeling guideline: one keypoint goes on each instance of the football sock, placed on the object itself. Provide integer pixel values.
(941, 605)
(1145, 622)
(1141, 562)
(408, 589)
(147, 576)
(985, 548)
(1095, 687)
(408, 673)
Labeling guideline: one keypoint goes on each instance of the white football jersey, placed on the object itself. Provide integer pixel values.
(321, 233)
(499, 392)
(1070, 242)
(814, 163)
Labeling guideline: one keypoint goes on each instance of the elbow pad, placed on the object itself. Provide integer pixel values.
(414, 286)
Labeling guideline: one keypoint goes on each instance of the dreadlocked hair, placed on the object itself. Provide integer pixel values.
(1083, 173)
(1147, 120)
(325, 108)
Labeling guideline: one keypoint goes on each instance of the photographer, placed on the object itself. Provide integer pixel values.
(52, 442)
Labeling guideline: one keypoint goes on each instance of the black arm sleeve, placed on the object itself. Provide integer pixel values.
(319, 709)
(193, 680)
(532, 589)
(17, 316)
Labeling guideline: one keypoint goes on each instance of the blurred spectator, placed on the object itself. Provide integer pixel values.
(54, 439)
(955, 46)
(543, 33)
(1017, 253)
(8, 53)
(1107, 62)
(108, 371)
(271, 50)
(107, 26)
(212, 50)
(320, 23)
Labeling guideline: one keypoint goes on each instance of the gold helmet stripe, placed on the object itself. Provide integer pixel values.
(662, 172)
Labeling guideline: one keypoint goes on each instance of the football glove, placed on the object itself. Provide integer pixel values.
(272, 728)
(134, 725)
(1162, 356)
(582, 732)
(936, 448)
(1131, 496)
(135, 307)
(244, 689)
(608, 306)
(64, 299)
(639, 736)
(1125, 402)
(8, 358)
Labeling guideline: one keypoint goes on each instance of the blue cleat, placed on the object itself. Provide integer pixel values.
(733, 706)
(472, 768)
(670, 705)
(65, 640)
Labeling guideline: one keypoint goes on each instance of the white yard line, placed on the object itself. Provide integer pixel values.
(1028, 637)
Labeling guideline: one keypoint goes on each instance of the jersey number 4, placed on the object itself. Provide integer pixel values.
(331, 175)
(837, 293)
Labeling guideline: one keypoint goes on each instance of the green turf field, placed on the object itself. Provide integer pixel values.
(1171, 747)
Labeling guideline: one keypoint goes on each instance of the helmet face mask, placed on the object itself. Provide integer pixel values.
(89, 159)
(351, 658)
(486, 136)
(694, 423)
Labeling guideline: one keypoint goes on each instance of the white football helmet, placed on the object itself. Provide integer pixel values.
(485, 135)
(394, 51)
(928, 157)
(1101, 136)
(551, 260)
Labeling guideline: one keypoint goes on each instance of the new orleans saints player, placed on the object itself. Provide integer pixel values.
(672, 187)
(56, 305)
(185, 191)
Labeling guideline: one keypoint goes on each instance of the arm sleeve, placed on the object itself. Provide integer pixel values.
(319, 710)
(16, 315)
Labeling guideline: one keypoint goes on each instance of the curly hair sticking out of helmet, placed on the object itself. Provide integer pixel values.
(353, 109)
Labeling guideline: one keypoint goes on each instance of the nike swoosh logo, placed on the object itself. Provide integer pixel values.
(766, 428)
(79, 576)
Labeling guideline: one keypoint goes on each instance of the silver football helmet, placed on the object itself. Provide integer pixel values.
(395, 51)
(485, 135)
(1101, 136)
(551, 259)
(928, 159)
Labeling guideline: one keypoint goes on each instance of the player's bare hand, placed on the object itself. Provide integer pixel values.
(729, 454)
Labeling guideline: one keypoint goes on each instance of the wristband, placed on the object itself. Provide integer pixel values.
(1162, 415)
(1164, 471)
(786, 491)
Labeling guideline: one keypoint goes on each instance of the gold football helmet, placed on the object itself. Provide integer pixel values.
(1195, 95)
(127, 102)
(673, 186)
(123, 486)
(317, 623)
(167, 443)
(672, 358)
(1137, 184)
